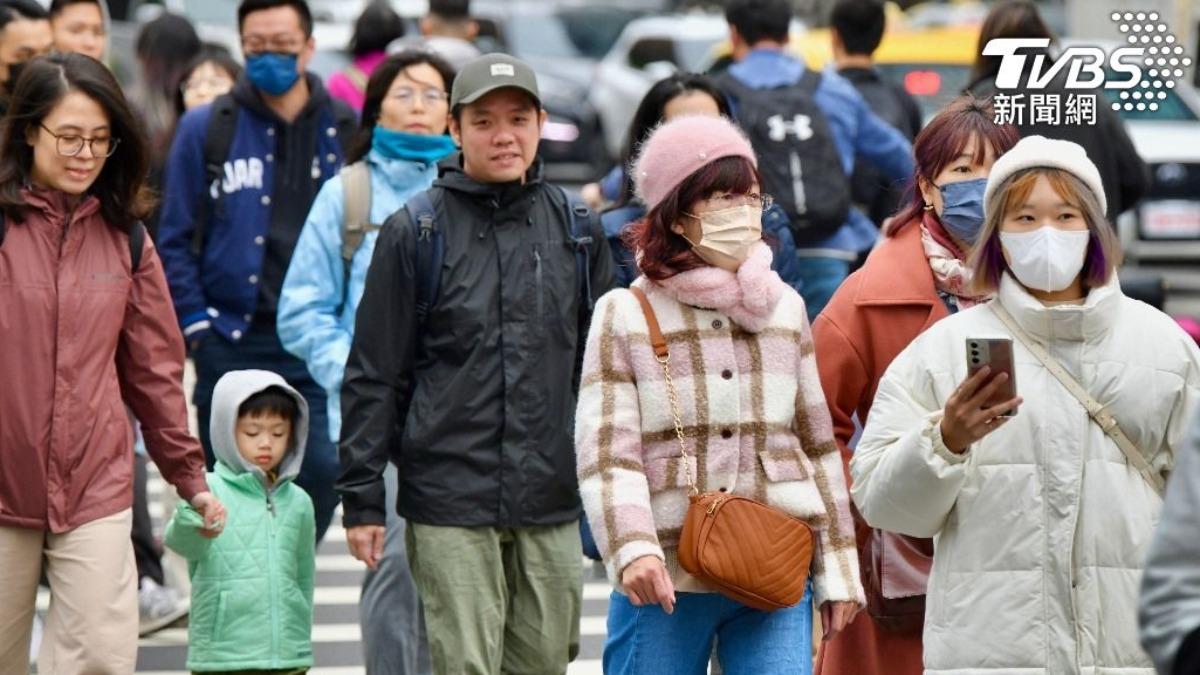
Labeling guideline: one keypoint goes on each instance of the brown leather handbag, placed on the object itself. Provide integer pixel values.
(746, 550)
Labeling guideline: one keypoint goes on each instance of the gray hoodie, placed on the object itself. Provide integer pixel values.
(231, 391)
(1170, 602)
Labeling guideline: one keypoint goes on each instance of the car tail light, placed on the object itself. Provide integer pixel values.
(923, 82)
(1174, 180)
(563, 132)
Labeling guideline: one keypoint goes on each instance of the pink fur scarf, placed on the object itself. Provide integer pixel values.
(749, 297)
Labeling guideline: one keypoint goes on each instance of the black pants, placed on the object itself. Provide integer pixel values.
(146, 551)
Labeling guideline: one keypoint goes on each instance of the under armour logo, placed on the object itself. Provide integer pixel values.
(800, 126)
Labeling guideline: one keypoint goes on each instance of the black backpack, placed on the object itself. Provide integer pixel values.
(137, 240)
(431, 248)
(797, 155)
(218, 138)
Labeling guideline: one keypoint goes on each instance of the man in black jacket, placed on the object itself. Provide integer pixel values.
(473, 397)
(856, 29)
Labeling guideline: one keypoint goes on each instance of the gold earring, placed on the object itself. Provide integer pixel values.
(929, 207)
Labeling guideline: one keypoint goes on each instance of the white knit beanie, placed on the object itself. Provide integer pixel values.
(1039, 151)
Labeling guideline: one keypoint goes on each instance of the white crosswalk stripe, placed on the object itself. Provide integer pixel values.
(337, 637)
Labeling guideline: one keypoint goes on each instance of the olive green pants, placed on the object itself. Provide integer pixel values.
(292, 671)
(499, 600)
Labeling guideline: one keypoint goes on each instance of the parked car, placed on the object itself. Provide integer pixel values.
(1161, 233)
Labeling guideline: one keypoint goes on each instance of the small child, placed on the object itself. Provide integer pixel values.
(252, 587)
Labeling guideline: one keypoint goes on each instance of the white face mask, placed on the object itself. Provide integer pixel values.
(1047, 259)
(728, 236)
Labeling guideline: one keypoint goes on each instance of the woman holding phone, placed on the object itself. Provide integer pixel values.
(916, 277)
(1042, 519)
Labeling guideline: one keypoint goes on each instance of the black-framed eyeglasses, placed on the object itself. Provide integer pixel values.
(70, 145)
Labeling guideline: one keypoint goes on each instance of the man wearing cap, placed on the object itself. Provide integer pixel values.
(473, 396)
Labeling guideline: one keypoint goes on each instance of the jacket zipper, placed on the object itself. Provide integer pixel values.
(537, 266)
(272, 590)
(62, 245)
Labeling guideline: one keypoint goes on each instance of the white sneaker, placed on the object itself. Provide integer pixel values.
(35, 643)
(158, 607)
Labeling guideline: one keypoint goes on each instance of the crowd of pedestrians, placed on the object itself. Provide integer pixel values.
(771, 311)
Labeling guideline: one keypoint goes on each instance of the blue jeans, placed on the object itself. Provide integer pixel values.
(260, 349)
(820, 276)
(647, 641)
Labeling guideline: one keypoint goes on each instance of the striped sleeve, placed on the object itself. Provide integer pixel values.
(612, 480)
(835, 565)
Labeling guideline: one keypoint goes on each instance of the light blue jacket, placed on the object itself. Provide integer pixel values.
(316, 313)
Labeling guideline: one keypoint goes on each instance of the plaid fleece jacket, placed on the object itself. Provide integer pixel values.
(754, 418)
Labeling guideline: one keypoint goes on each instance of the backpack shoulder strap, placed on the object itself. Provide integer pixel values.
(810, 81)
(357, 77)
(578, 233)
(430, 251)
(356, 208)
(218, 138)
(137, 241)
(345, 120)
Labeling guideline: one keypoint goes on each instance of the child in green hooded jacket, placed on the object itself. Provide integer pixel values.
(252, 588)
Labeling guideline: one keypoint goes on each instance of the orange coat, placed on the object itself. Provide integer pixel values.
(875, 314)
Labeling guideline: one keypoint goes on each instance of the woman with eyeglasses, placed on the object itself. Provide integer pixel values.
(395, 154)
(743, 384)
(88, 327)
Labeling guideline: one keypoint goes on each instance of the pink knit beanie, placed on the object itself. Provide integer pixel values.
(681, 147)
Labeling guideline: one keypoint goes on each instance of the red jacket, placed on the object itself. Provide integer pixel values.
(80, 337)
(871, 318)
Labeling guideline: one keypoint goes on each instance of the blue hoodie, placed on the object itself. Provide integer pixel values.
(316, 310)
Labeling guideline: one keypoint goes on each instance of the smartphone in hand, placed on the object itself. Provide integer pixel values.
(997, 354)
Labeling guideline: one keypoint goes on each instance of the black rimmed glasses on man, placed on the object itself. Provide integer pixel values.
(70, 145)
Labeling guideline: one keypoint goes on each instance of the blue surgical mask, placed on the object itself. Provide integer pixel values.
(412, 147)
(272, 72)
(962, 209)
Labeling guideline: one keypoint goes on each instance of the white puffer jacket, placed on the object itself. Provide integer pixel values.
(1042, 527)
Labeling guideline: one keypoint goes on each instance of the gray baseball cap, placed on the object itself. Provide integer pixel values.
(489, 73)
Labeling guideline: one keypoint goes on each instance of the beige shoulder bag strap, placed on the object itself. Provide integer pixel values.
(1095, 410)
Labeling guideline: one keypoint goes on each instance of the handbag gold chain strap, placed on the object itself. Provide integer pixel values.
(663, 355)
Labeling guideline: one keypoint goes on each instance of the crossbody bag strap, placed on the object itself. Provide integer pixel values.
(663, 355)
(1099, 414)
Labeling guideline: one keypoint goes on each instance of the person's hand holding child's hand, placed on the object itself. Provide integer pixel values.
(208, 506)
